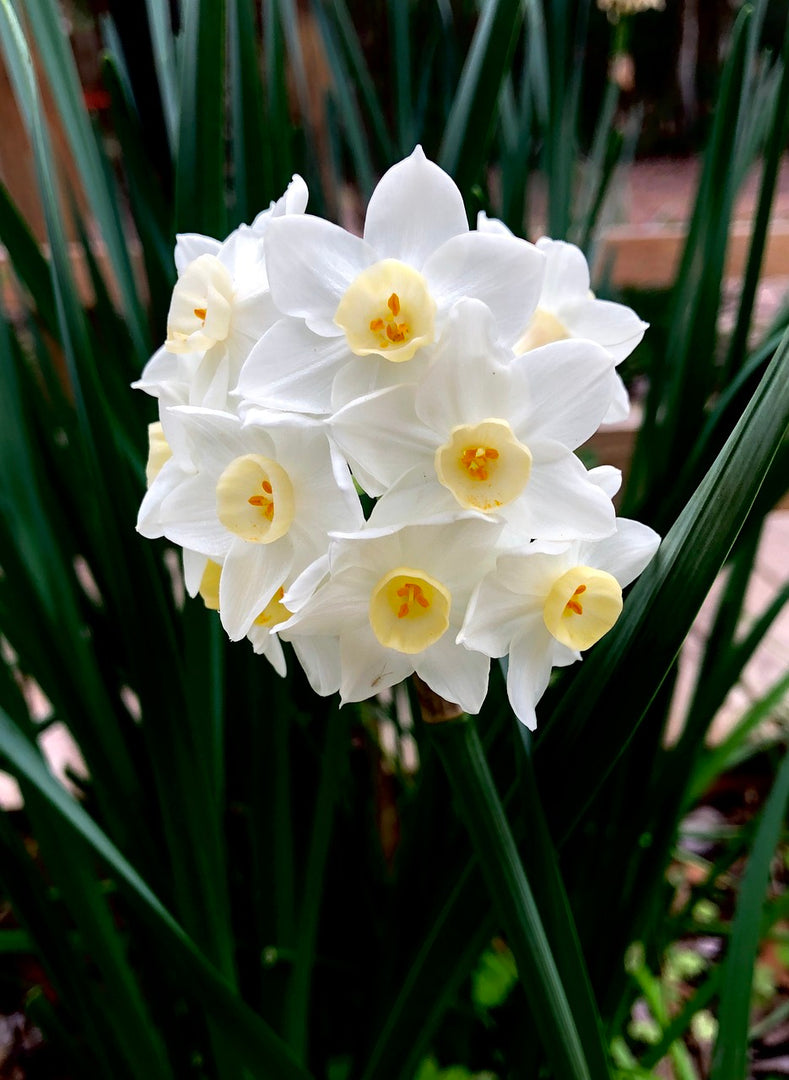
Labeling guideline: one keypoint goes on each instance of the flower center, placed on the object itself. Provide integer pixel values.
(582, 605)
(387, 310)
(275, 611)
(159, 451)
(409, 610)
(209, 585)
(254, 499)
(201, 306)
(483, 465)
(542, 330)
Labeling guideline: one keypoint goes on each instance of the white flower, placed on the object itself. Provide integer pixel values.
(395, 600)
(260, 498)
(547, 604)
(203, 575)
(219, 309)
(294, 201)
(485, 432)
(568, 309)
(365, 313)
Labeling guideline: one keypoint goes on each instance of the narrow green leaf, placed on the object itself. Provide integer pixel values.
(730, 1057)
(728, 752)
(256, 1041)
(253, 179)
(400, 61)
(16, 941)
(511, 894)
(342, 25)
(681, 1022)
(53, 46)
(347, 106)
(200, 161)
(65, 855)
(163, 43)
(26, 260)
(634, 658)
(471, 123)
(298, 1011)
(779, 130)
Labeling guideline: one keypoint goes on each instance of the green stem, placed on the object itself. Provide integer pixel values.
(464, 760)
(298, 1001)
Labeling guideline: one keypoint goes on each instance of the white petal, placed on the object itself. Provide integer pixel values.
(294, 201)
(254, 315)
(382, 437)
(626, 553)
(149, 516)
(561, 502)
(469, 379)
(607, 478)
(364, 375)
(342, 603)
(217, 437)
(561, 391)
(492, 225)
(529, 673)
(416, 497)
(320, 658)
(454, 673)
(367, 667)
(566, 274)
(496, 616)
(190, 246)
(311, 263)
(267, 644)
(502, 271)
(212, 380)
(251, 574)
(164, 368)
(242, 254)
(614, 326)
(415, 208)
(194, 568)
(619, 409)
(530, 572)
(292, 368)
(301, 590)
(189, 518)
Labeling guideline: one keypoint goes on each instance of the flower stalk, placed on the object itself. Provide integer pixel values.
(457, 742)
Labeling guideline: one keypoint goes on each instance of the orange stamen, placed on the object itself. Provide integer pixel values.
(393, 303)
(573, 604)
(411, 593)
(200, 312)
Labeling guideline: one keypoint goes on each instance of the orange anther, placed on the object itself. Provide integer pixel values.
(579, 590)
(377, 324)
(421, 600)
(491, 454)
(200, 312)
(401, 614)
(573, 605)
(393, 303)
(256, 500)
(267, 487)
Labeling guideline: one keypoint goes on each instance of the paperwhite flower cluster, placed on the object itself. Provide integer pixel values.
(451, 374)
